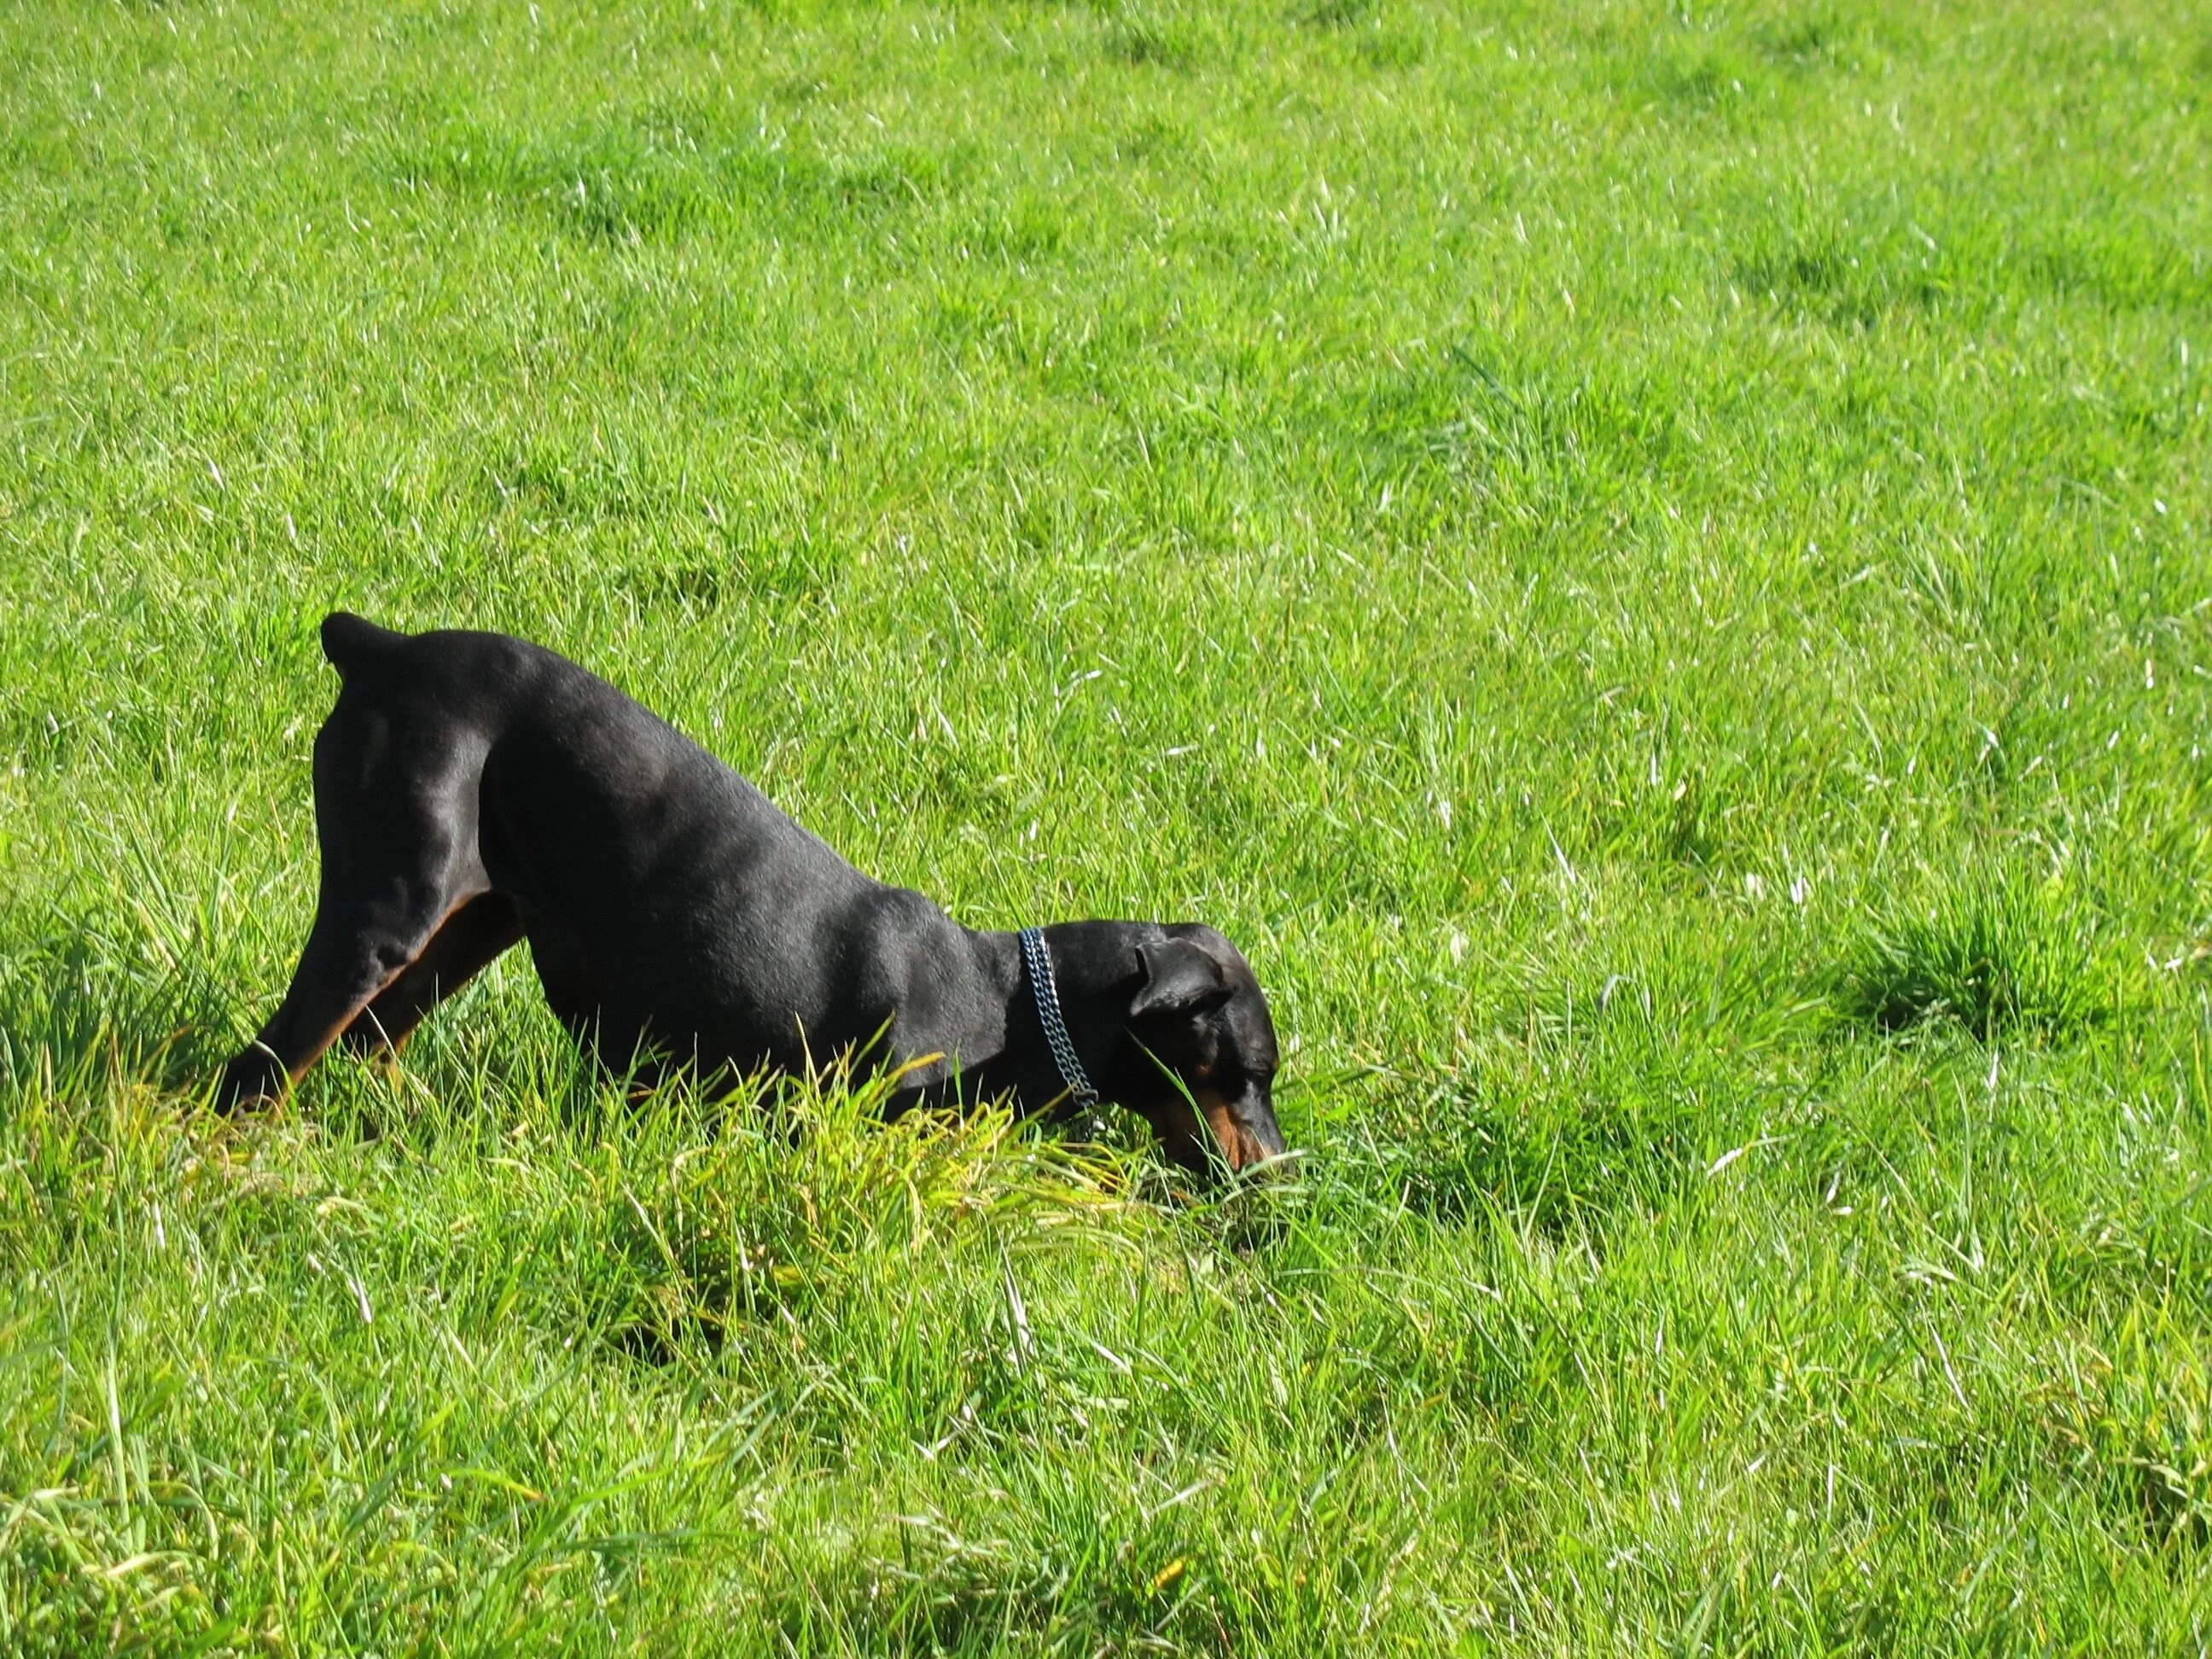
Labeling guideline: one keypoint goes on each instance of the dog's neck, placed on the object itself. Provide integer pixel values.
(1092, 972)
(1044, 996)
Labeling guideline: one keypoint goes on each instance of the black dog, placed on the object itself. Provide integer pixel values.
(472, 791)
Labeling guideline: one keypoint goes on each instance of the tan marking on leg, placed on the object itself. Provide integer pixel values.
(322, 1045)
(474, 934)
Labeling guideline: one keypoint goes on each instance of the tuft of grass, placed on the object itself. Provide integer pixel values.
(1339, 14)
(1990, 951)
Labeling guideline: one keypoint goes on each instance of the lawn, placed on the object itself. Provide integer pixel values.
(1651, 564)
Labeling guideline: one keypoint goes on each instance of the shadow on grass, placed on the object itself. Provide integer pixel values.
(656, 175)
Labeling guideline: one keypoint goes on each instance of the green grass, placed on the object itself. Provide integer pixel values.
(1653, 565)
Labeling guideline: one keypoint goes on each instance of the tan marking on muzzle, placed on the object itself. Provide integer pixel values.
(1238, 1148)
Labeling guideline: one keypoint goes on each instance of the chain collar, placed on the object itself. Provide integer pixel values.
(1046, 992)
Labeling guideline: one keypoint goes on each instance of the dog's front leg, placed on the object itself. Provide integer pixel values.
(356, 949)
(469, 940)
(395, 817)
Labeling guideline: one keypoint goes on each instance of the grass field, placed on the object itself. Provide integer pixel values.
(1653, 564)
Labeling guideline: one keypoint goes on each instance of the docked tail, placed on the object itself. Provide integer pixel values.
(350, 640)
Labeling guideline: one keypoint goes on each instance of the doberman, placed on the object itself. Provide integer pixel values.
(473, 791)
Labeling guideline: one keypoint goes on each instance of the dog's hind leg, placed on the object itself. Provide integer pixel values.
(467, 943)
(396, 817)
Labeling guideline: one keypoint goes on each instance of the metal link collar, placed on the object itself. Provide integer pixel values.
(1046, 991)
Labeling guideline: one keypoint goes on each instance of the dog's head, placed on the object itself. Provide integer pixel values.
(1197, 1058)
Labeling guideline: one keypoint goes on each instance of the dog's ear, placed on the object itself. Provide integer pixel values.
(1179, 979)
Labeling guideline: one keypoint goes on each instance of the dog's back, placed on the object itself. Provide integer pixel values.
(666, 899)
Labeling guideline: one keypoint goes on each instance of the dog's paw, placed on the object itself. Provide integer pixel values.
(253, 1079)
